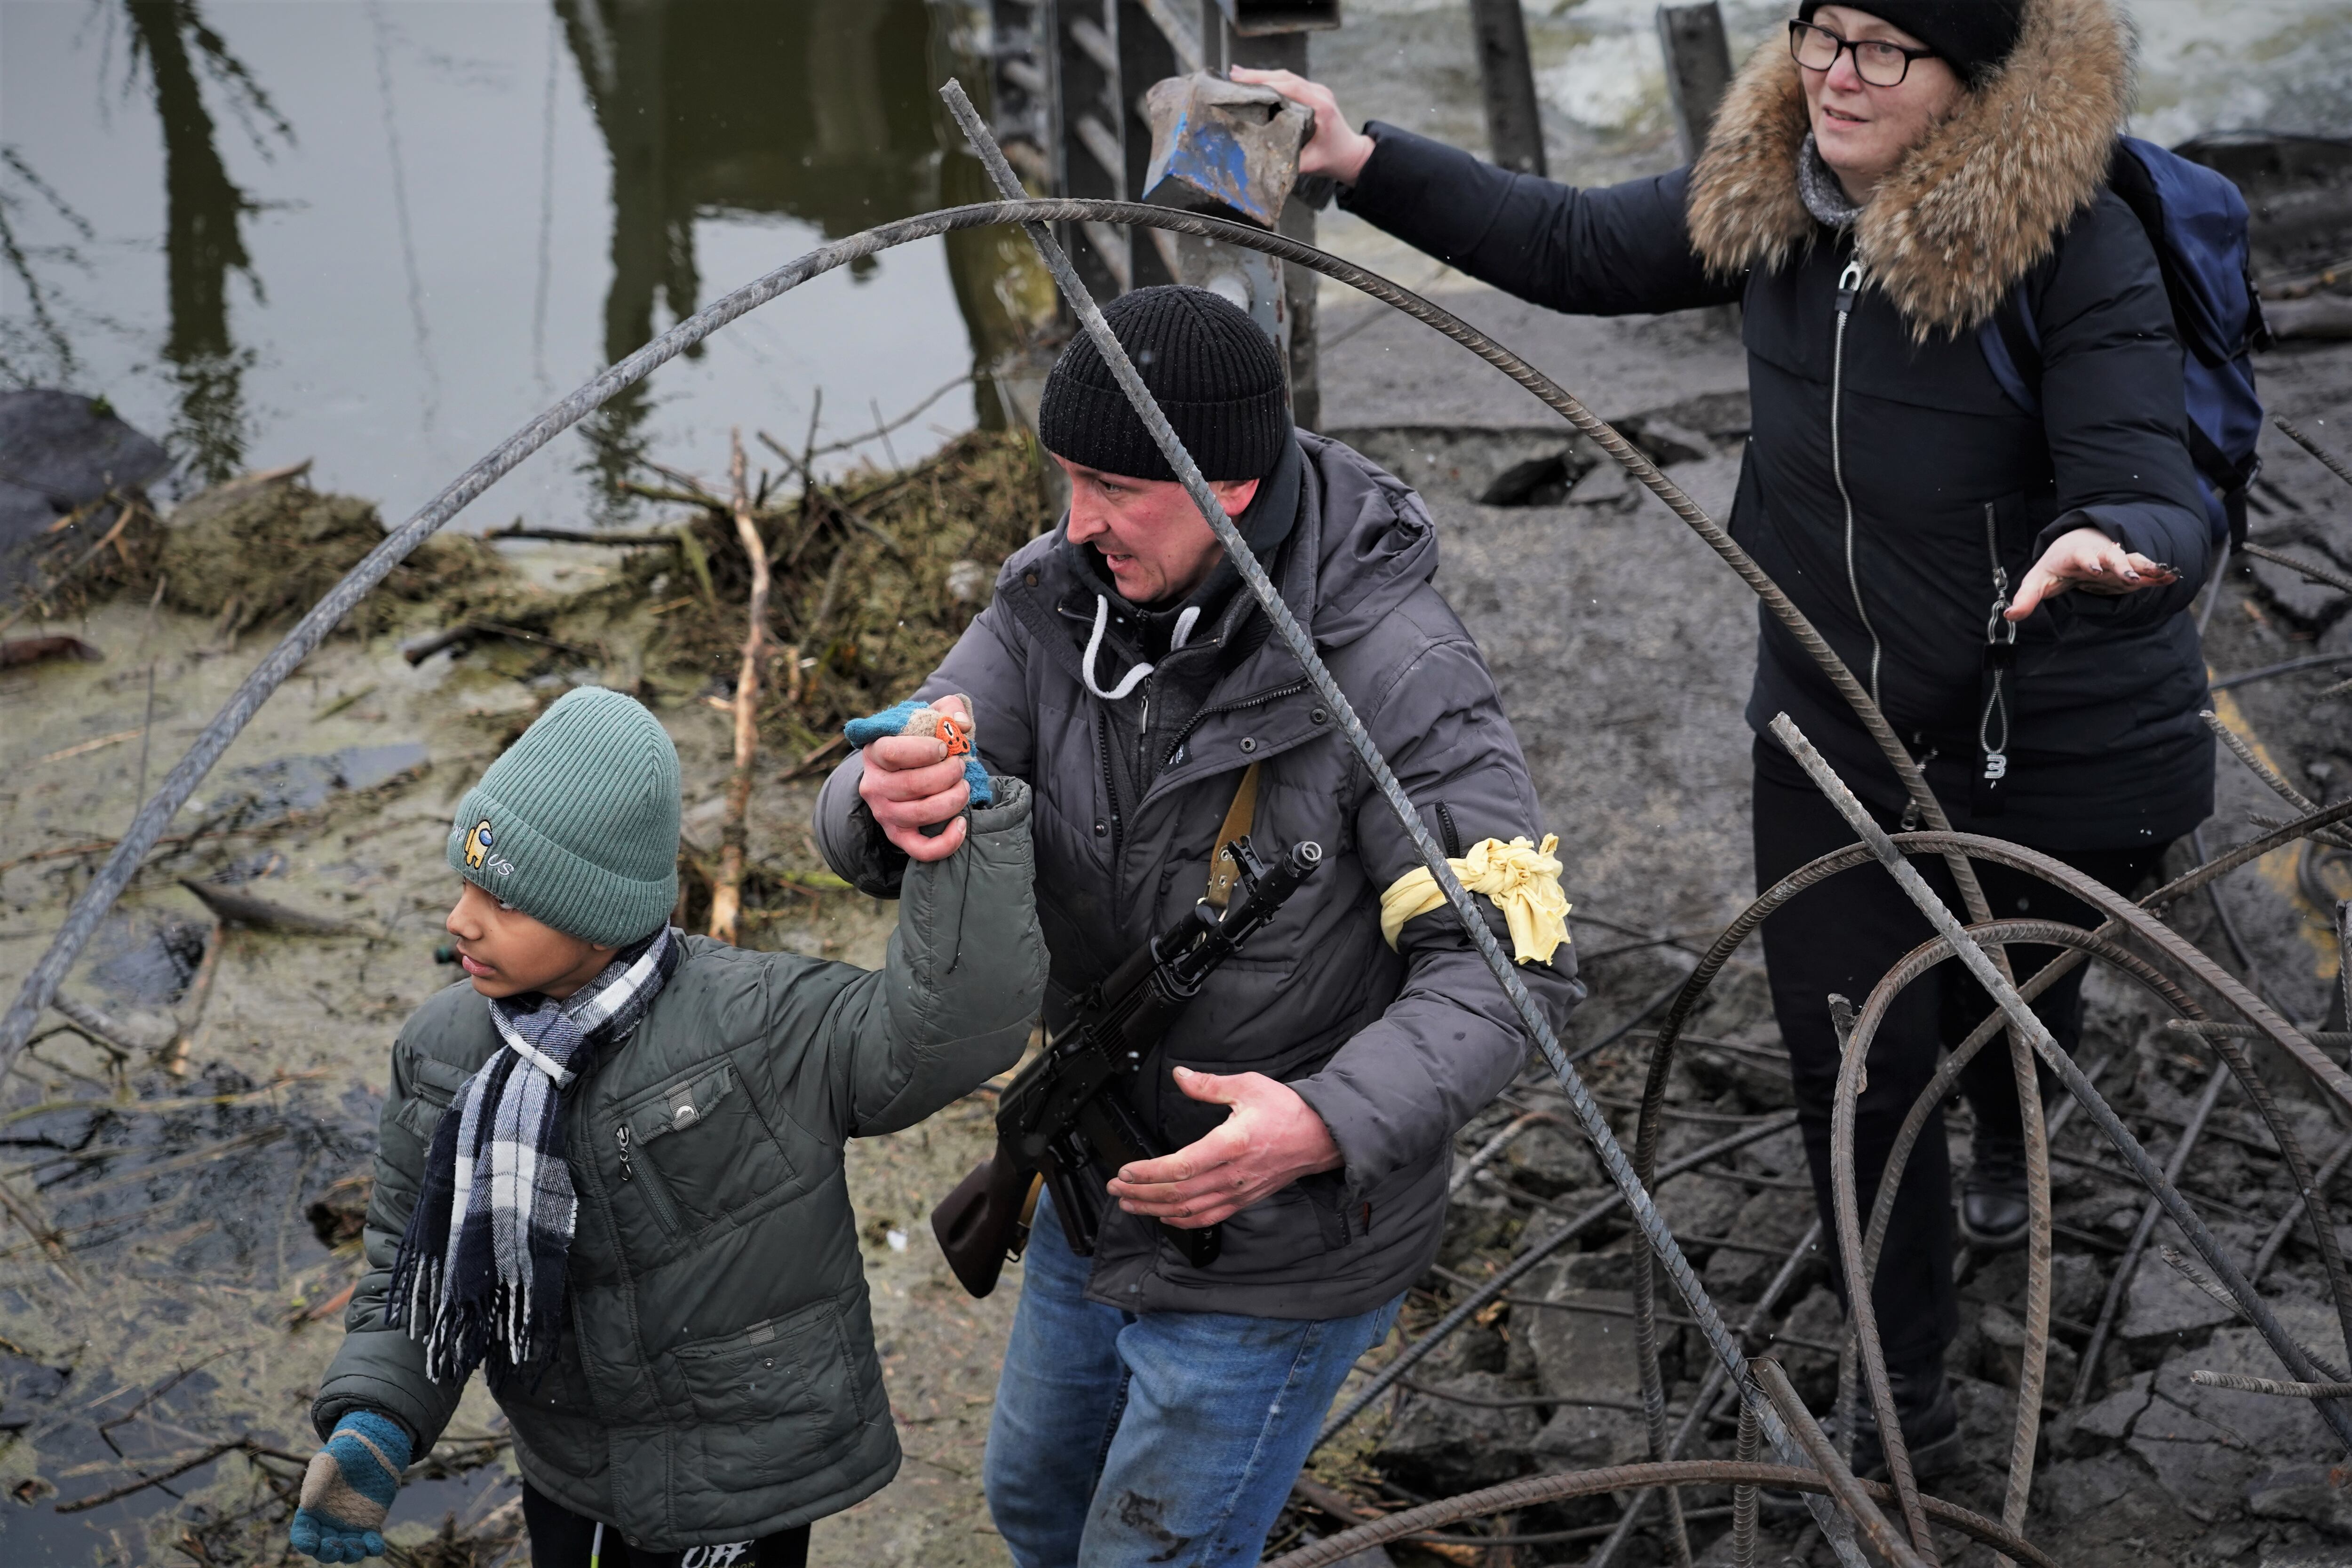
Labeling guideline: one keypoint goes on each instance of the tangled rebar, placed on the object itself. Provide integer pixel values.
(1769, 1409)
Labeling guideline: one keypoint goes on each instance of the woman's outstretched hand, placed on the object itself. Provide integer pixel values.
(1336, 148)
(2086, 558)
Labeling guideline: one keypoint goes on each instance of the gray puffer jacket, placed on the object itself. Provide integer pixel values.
(717, 1377)
(1395, 1050)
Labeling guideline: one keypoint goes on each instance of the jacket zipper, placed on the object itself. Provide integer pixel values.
(1849, 285)
(1143, 728)
(1110, 790)
(1240, 705)
(656, 1193)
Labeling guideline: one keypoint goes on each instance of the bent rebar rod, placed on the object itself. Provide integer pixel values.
(1462, 1311)
(1709, 1396)
(180, 784)
(1530, 1491)
(1295, 637)
(2021, 1017)
(1838, 861)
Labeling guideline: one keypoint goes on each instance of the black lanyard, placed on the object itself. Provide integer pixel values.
(1989, 790)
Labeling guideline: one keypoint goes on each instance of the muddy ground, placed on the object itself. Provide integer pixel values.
(191, 1301)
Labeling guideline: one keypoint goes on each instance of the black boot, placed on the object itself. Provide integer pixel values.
(1931, 1424)
(1993, 1212)
(1931, 1433)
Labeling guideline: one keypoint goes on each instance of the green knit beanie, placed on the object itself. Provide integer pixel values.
(576, 826)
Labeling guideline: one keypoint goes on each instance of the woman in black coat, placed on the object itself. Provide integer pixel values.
(1874, 191)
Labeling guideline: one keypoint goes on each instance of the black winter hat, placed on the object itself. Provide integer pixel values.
(1974, 36)
(1214, 371)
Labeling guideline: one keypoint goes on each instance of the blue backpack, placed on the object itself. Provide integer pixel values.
(2197, 221)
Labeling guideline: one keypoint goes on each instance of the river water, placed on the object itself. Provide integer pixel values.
(382, 235)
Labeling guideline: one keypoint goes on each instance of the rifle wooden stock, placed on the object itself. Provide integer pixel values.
(978, 1224)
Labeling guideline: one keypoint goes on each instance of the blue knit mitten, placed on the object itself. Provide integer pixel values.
(913, 718)
(349, 1489)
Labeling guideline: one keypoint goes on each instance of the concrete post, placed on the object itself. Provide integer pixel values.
(1698, 69)
(1271, 35)
(1514, 123)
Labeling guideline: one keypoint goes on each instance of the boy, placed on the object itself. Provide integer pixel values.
(610, 1171)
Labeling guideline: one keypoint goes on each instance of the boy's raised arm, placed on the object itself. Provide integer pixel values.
(964, 983)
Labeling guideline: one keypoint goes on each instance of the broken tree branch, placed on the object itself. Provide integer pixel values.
(173, 1057)
(727, 893)
(229, 905)
(812, 487)
(422, 649)
(201, 1458)
(516, 529)
(108, 1031)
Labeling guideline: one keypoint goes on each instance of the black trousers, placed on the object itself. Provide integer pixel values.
(561, 1539)
(1841, 935)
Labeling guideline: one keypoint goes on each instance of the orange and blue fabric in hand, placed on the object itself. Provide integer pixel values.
(913, 718)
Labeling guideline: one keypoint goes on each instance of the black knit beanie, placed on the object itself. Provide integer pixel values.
(1974, 36)
(1214, 371)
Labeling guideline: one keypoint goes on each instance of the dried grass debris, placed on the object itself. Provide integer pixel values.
(264, 549)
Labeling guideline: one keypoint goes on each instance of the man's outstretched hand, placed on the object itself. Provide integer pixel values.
(911, 782)
(1272, 1139)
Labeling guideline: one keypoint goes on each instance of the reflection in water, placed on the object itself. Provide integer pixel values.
(821, 111)
(203, 211)
(619, 150)
(39, 352)
(382, 27)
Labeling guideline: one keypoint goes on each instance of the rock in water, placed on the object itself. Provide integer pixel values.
(64, 451)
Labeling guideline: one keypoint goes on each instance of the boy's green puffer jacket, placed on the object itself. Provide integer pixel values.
(717, 1378)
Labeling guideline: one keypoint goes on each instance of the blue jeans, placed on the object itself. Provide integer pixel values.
(1169, 1440)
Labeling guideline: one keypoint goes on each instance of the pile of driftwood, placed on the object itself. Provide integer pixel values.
(804, 608)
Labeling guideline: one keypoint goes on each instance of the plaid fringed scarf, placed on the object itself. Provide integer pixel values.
(480, 1271)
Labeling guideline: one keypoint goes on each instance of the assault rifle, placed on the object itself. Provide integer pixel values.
(1066, 1117)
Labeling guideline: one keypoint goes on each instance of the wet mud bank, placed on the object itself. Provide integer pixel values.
(194, 1132)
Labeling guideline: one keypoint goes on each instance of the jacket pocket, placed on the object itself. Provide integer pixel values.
(434, 1087)
(794, 1376)
(701, 1149)
(420, 1114)
(558, 1387)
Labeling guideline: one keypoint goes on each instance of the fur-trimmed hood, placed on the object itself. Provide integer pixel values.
(1971, 210)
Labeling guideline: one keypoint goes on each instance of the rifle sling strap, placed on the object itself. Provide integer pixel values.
(1239, 819)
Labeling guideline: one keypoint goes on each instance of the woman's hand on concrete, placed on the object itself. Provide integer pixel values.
(910, 783)
(1272, 1139)
(1337, 148)
(2087, 559)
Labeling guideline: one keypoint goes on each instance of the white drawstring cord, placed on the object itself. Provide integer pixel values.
(1126, 683)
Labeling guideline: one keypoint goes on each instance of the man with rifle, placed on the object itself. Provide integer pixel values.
(1322, 1027)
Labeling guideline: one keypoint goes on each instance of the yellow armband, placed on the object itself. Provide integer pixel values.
(1523, 880)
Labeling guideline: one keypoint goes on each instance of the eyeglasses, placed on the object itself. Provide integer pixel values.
(1877, 62)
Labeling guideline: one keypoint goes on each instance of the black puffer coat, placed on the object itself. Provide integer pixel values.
(1898, 411)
